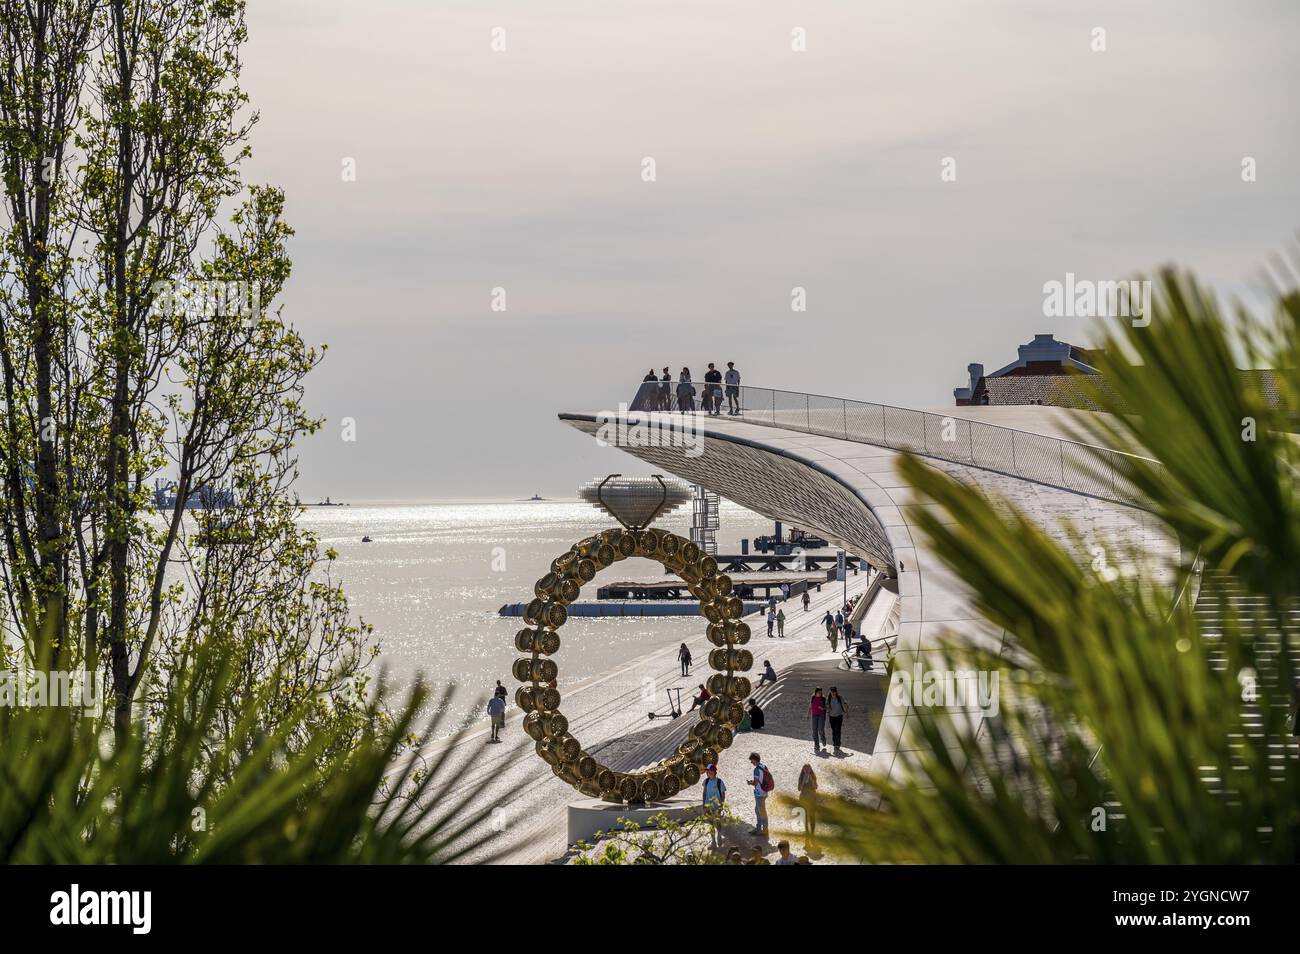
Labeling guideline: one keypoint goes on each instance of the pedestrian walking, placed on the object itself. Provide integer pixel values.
(771, 621)
(685, 392)
(763, 784)
(836, 710)
(715, 796)
(817, 713)
(806, 600)
(713, 390)
(649, 396)
(733, 389)
(780, 623)
(808, 801)
(501, 690)
(684, 657)
(496, 708)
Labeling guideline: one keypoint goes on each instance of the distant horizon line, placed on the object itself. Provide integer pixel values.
(412, 501)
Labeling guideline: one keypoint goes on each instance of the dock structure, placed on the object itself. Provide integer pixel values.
(745, 585)
(780, 563)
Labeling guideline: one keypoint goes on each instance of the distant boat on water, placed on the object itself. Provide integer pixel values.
(536, 497)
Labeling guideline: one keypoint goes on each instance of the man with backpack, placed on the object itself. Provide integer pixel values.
(715, 796)
(763, 784)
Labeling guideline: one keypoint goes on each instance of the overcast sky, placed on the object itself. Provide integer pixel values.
(522, 169)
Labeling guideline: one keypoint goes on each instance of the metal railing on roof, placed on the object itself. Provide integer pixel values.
(1070, 465)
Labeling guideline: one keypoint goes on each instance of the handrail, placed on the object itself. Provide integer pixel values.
(1072, 465)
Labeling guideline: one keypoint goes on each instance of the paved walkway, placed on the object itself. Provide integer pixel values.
(786, 746)
(608, 714)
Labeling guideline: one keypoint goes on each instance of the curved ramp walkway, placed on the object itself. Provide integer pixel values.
(850, 492)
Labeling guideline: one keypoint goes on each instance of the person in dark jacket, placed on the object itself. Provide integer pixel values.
(713, 391)
(685, 392)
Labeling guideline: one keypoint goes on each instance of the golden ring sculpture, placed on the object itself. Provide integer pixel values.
(721, 713)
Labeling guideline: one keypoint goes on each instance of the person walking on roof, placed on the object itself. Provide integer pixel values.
(713, 391)
(685, 391)
(733, 389)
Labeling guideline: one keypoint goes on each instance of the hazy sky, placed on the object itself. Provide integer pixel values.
(522, 169)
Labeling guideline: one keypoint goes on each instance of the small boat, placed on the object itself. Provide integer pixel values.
(367, 540)
(536, 497)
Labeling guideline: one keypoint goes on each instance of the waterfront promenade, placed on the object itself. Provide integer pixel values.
(609, 715)
(786, 461)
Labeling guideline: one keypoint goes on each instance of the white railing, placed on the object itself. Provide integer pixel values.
(1071, 465)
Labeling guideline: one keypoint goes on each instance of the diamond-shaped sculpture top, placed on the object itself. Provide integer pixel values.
(635, 501)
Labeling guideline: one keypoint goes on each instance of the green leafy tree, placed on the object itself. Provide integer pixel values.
(124, 361)
(662, 840)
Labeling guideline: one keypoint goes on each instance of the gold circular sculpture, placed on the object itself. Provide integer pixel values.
(540, 700)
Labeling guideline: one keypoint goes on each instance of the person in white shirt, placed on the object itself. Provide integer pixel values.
(732, 377)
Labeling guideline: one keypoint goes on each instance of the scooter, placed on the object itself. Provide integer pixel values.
(673, 710)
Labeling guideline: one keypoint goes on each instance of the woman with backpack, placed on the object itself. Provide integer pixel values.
(835, 711)
(763, 784)
(808, 801)
(817, 713)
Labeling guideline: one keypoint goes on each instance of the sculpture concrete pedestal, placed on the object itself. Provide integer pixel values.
(592, 815)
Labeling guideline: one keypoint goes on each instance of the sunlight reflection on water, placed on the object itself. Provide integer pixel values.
(428, 585)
